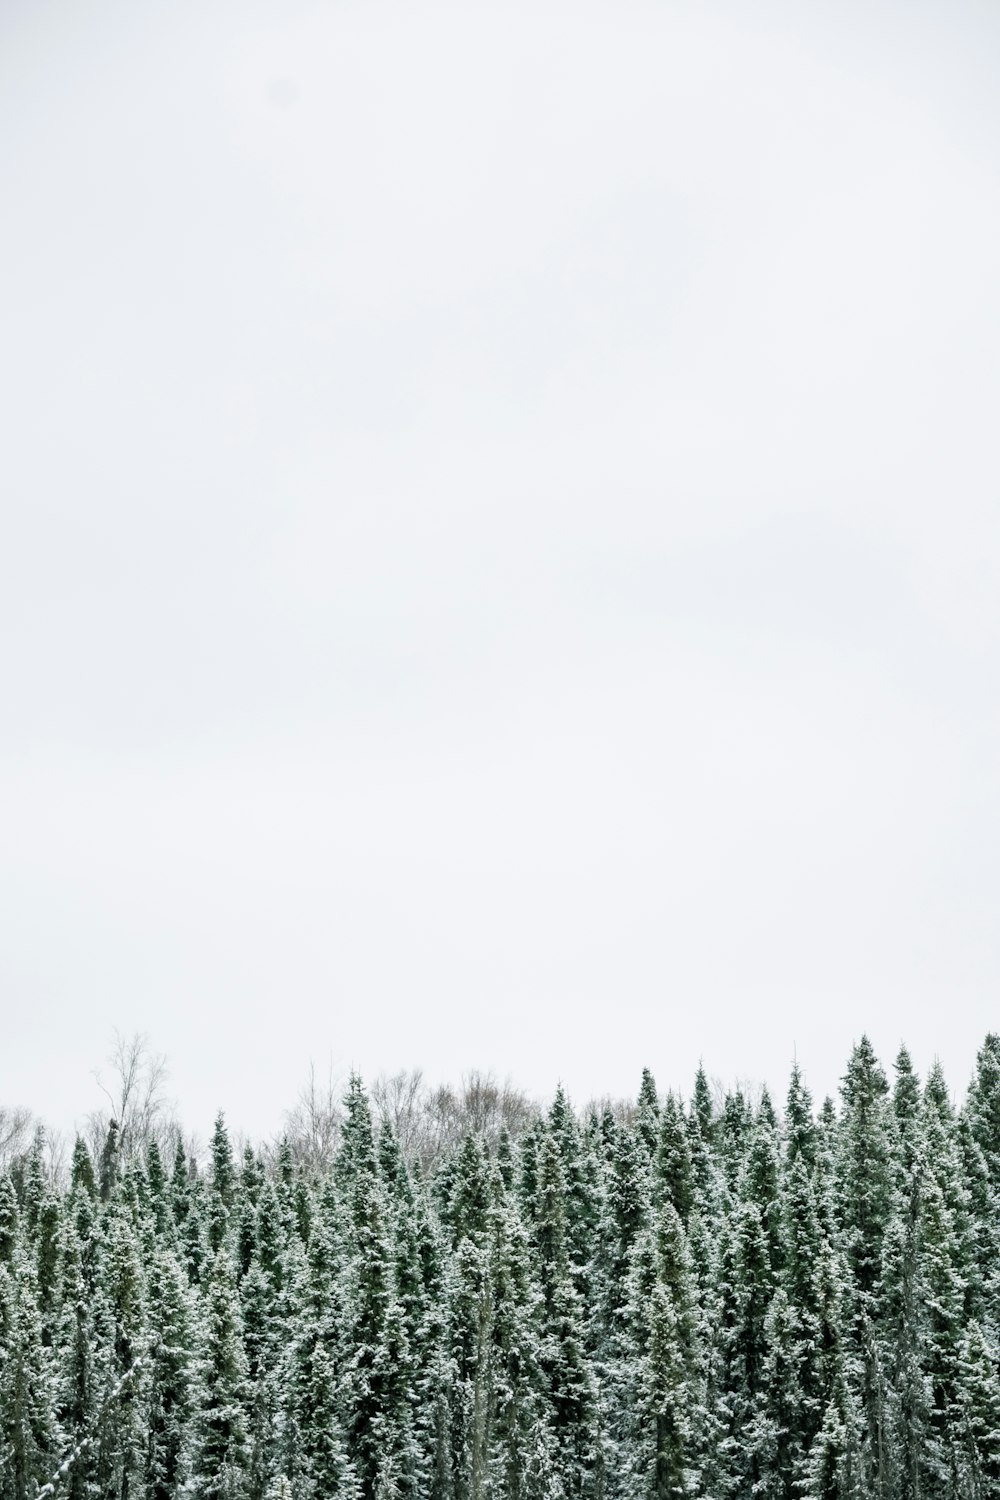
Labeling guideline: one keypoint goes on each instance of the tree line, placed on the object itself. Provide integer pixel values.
(704, 1297)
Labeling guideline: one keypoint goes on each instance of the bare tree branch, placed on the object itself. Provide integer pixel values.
(430, 1122)
(135, 1094)
(312, 1125)
(16, 1125)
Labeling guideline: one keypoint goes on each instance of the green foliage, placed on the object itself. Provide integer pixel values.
(683, 1300)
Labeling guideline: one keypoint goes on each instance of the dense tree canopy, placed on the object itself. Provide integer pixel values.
(715, 1298)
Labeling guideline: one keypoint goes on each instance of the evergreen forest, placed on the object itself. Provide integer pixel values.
(724, 1296)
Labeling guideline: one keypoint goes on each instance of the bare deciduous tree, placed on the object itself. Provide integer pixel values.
(57, 1152)
(432, 1121)
(399, 1099)
(16, 1128)
(487, 1107)
(312, 1125)
(622, 1110)
(134, 1088)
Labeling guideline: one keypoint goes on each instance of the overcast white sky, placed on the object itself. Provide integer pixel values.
(500, 556)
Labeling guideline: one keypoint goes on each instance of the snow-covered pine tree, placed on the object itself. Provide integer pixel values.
(470, 1321)
(29, 1437)
(673, 1176)
(569, 1390)
(647, 1115)
(171, 1385)
(663, 1432)
(865, 1207)
(77, 1388)
(521, 1461)
(222, 1449)
(122, 1343)
(626, 1207)
(376, 1404)
(9, 1216)
(807, 1255)
(978, 1434)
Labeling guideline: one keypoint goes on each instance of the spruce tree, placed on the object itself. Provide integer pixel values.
(375, 1399)
(978, 1437)
(647, 1115)
(8, 1220)
(569, 1393)
(521, 1457)
(469, 1296)
(171, 1387)
(78, 1388)
(110, 1161)
(29, 1438)
(865, 1210)
(806, 1256)
(222, 1444)
(122, 1339)
(674, 1177)
(983, 1106)
(663, 1422)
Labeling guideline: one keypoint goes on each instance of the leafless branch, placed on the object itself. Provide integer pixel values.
(312, 1125)
(16, 1124)
(135, 1093)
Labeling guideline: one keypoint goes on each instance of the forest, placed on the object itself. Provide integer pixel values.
(717, 1296)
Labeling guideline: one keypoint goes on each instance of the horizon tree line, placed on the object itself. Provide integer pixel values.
(706, 1297)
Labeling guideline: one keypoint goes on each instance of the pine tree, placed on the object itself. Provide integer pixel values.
(8, 1220)
(983, 1106)
(734, 1136)
(222, 1450)
(28, 1433)
(835, 1465)
(82, 1179)
(122, 1340)
(701, 1136)
(271, 1238)
(171, 1384)
(521, 1451)
(77, 1398)
(625, 1213)
(469, 1296)
(900, 1282)
(979, 1423)
(223, 1186)
(807, 1257)
(980, 1137)
(783, 1432)
(376, 1405)
(664, 1423)
(329, 1470)
(110, 1161)
(865, 1210)
(313, 1450)
(647, 1116)
(48, 1238)
(674, 1172)
(580, 1189)
(569, 1391)
(759, 1176)
(865, 1178)
(747, 1285)
(420, 1291)
(159, 1196)
(263, 1321)
(800, 1125)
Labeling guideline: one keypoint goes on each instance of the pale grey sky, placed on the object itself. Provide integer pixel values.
(500, 556)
